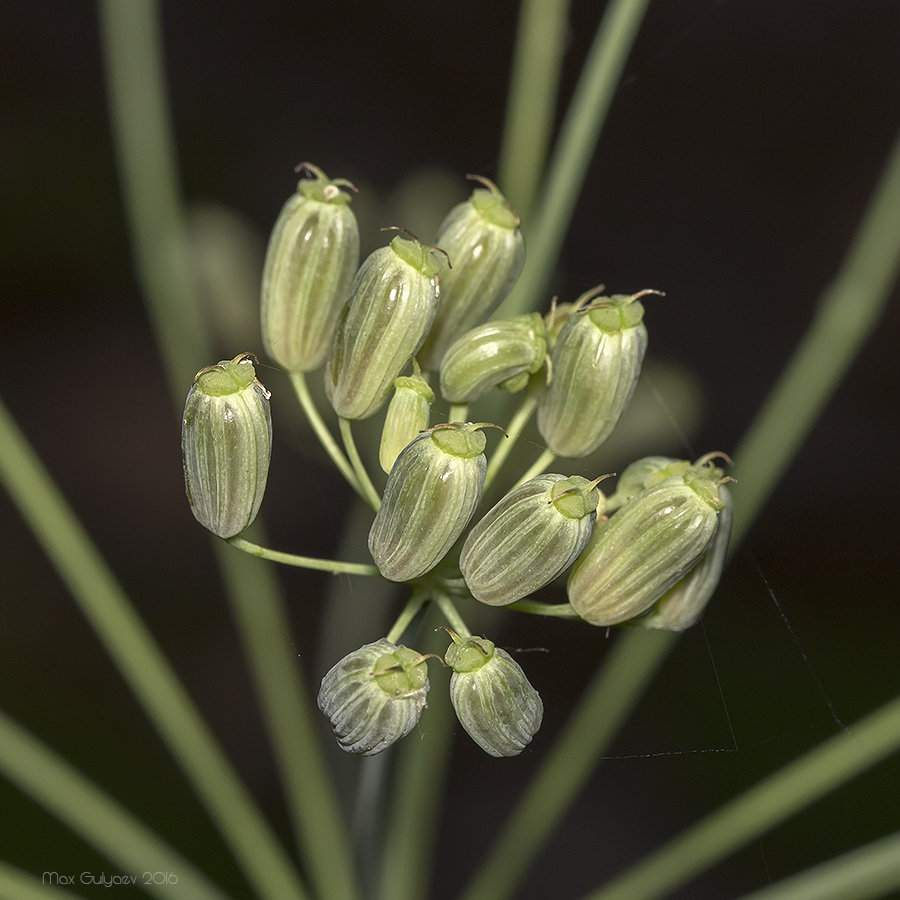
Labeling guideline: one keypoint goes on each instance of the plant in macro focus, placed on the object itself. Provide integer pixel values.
(482, 404)
(578, 366)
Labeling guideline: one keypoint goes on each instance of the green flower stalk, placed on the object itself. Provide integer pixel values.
(503, 353)
(682, 605)
(529, 538)
(485, 245)
(493, 699)
(310, 262)
(407, 416)
(393, 301)
(430, 495)
(226, 444)
(596, 362)
(649, 545)
(374, 696)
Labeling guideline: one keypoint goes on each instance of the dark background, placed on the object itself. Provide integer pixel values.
(739, 154)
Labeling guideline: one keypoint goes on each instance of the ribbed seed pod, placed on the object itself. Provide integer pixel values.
(310, 262)
(493, 699)
(374, 696)
(486, 248)
(429, 497)
(226, 443)
(642, 474)
(682, 605)
(596, 362)
(647, 546)
(529, 538)
(502, 353)
(393, 301)
(407, 415)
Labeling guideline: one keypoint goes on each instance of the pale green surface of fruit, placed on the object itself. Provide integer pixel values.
(393, 301)
(529, 538)
(374, 696)
(226, 444)
(430, 495)
(310, 262)
(492, 698)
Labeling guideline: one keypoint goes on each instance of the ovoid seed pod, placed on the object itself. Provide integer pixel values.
(596, 362)
(429, 497)
(393, 301)
(641, 474)
(486, 248)
(647, 546)
(374, 696)
(407, 415)
(682, 605)
(226, 443)
(502, 353)
(529, 538)
(493, 699)
(310, 262)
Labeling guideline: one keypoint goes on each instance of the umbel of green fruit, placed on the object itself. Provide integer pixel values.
(374, 696)
(596, 362)
(393, 301)
(485, 245)
(407, 415)
(493, 699)
(310, 262)
(503, 353)
(430, 495)
(529, 538)
(649, 545)
(682, 605)
(226, 443)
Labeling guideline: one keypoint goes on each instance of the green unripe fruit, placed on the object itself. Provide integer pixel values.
(374, 696)
(683, 604)
(496, 354)
(226, 443)
(393, 301)
(596, 362)
(652, 542)
(407, 415)
(486, 247)
(310, 262)
(646, 547)
(529, 538)
(493, 699)
(430, 495)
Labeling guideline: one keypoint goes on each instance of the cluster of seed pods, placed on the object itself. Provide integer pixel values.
(412, 321)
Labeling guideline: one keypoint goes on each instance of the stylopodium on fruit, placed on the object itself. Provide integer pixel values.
(430, 495)
(311, 258)
(529, 538)
(374, 696)
(493, 700)
(226, 444)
